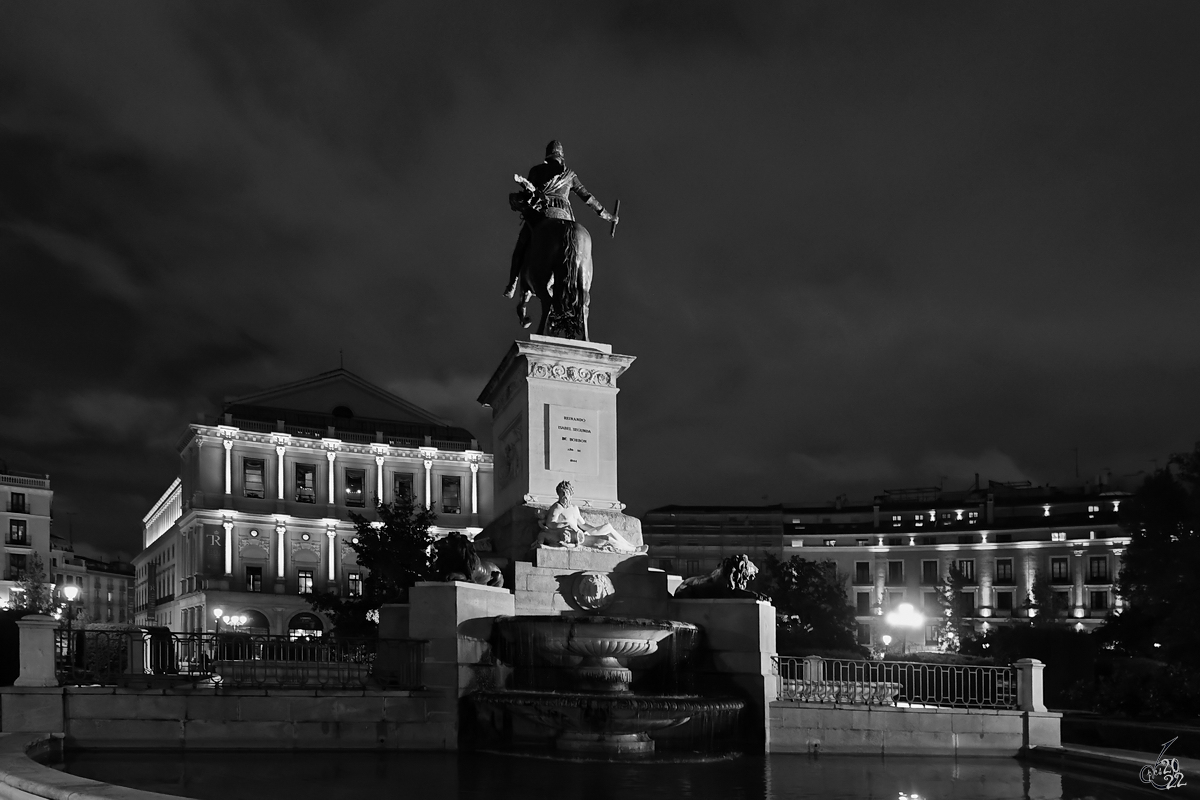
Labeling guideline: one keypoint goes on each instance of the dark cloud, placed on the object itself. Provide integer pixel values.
(861, 245)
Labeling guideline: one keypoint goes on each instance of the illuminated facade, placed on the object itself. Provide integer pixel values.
(259, 515)
(899, 547)
(26, 499)
(105, 589)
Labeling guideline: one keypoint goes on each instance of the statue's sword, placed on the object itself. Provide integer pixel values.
(612, 230)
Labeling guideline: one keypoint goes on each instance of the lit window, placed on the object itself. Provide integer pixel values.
(1058, 570)
(355, 479)
(252, 478)
(451, 494)
(831, 542)
(1058, 536)
(354, 584)
(967, 568)
(253, 579)
(304, 579)
(18, 533)
(306, 483)
(896, 520)
(1004, 570)
(402, 485)
(972, 517)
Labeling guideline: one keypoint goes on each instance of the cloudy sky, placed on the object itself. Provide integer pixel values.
(863, 246)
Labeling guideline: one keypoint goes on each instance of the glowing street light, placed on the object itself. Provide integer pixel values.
(905, 617)
(218, 612)
(70, 591)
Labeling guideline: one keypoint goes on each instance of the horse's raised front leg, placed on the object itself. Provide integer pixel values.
(523, 309)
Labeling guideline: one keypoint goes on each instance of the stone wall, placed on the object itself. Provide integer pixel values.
(107, 717)
(887, 730)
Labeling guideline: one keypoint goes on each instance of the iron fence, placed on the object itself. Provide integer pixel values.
(821, 680)
(113, 658)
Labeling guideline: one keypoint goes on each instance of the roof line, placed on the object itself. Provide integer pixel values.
(361, 382)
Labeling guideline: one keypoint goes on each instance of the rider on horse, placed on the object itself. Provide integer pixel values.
(552, 185)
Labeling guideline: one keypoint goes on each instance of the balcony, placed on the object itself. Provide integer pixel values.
(18, 508)
(166, 598)
(20, 540)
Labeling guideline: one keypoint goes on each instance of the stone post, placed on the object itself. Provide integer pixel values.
(1029, 684)
(813, 671)
(456, 618)
(37, 651)
(137, 653)
(739, 636)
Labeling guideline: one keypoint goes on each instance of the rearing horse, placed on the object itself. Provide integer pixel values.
(557, 269)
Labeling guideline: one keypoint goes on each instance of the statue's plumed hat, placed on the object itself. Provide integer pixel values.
(554, 150)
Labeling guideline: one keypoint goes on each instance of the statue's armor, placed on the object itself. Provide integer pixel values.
(554, 183)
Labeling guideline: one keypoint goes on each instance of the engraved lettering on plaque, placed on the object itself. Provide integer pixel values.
(572, 440)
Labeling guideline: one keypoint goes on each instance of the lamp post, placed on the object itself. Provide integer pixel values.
(218, 612)
(70, 592)
(905, 617)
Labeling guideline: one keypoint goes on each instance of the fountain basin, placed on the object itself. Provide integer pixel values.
(584, 722)
(594, 652)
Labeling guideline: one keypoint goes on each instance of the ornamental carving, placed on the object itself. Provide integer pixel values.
(570, 373)
(245, 540)
(312, 547)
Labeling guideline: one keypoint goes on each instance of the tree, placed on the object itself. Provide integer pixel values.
(1048, 607)
(814, 612)
(35, 595)
(1158, 578)
(396, 554)
(952, 624)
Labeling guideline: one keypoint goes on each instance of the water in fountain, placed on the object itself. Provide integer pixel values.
(601, 685)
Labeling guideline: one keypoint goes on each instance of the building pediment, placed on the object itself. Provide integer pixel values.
(336, 392)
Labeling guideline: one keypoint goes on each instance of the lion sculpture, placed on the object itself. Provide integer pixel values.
(730, 580)
(455, 559)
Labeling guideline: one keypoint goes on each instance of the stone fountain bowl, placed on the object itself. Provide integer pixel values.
(565, 640)
(583, 721)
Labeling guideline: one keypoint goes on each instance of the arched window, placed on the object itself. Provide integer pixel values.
(305, 626)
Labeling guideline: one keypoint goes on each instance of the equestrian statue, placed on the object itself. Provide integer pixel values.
(553, 256)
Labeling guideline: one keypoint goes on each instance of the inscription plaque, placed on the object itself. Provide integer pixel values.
(572, 440)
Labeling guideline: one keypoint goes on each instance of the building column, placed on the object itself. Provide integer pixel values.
(428, 483)
(1080, 603)
(331, 535)
(228, 526)
(280, 533)
(228, 466)
(474, 488)
(331, 456)
(279, 451)
(379, 478)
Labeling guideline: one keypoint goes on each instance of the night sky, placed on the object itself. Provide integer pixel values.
(862, 246)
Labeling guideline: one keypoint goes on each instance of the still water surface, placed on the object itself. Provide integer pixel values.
(445, 776)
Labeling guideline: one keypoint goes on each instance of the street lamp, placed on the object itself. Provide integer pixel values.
(235, 620)
(70, 591)
(217, 612)
(905, 617)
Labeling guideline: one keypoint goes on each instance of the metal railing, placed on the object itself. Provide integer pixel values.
(15, 539)
(822, 680)
(117, 658)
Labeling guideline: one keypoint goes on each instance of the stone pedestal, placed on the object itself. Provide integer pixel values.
(37, 651)
(739, 637)
(554, 418)
(456, 618)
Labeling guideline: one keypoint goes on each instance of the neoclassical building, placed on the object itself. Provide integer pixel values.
(260, 513)
(897, 548)
(26, 499)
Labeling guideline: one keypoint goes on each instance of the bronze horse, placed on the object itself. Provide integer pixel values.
(557, 269)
